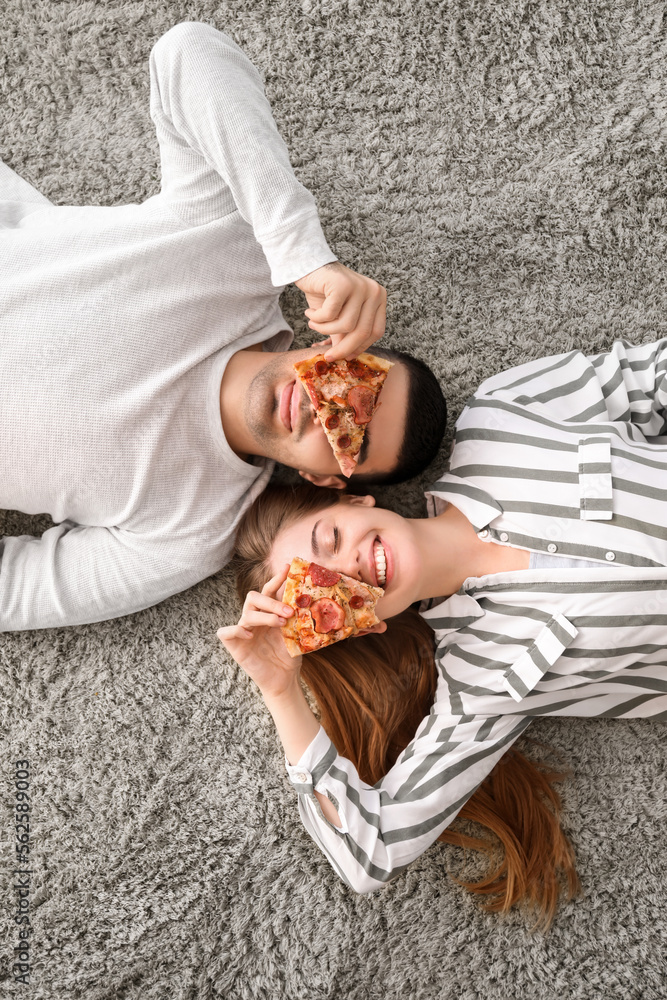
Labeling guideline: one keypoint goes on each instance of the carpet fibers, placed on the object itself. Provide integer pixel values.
(500, 167)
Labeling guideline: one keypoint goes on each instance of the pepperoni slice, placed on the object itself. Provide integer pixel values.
(357, 368)
(328, 615)
(308, 642)
(321, 367)
(322, 577)
(344, 441)
(363, 400)
(357, 601)
(304, 601)
(312, 392)
(332, 422)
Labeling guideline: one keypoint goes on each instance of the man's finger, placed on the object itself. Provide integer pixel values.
(345, 323)
(330, 308)
(358, 339)
(380, 322)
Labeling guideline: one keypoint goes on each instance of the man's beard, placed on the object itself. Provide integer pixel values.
(261, 405)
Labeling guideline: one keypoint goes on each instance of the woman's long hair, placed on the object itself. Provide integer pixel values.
(371, 705)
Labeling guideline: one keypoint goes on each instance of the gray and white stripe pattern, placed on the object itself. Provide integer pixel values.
(562, 456)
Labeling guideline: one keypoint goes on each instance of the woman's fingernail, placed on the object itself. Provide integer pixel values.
(287, 611)
(281, 621)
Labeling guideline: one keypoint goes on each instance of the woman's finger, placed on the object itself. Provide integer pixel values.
(272, 585)
(259, 619)
(263, 602)
(233, 632)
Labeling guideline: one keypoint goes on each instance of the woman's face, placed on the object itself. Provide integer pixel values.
(361, 540)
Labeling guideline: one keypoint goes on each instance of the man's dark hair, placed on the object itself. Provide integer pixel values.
(426, 419)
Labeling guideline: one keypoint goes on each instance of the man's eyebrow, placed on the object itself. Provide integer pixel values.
(313, 540)
(363, 451)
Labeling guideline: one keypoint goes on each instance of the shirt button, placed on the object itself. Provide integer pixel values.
(302, 777)
(504, 537)
(483, 533)
(610, 556)
(552, 547)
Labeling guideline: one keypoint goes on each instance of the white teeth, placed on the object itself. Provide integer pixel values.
(380, 563)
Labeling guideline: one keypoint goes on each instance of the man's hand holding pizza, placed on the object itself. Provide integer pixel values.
(348, 309)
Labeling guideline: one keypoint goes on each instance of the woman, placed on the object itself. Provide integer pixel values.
(565, 448)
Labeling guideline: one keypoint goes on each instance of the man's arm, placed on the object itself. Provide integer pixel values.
(76, 574)
(627, 384)
(221, 152)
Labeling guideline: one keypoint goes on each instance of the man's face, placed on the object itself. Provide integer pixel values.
(281, 418)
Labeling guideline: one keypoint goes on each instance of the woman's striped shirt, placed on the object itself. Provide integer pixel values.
(566, 455)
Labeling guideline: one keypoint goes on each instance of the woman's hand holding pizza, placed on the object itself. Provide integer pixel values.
(256, 642)
(349, 309)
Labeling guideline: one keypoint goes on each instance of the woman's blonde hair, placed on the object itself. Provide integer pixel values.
(371, 705)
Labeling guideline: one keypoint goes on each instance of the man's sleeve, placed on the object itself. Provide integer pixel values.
(220, 150)
(626, 384)
(74, 574)
(388, 825)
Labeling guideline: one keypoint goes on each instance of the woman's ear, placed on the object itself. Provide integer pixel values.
(367, 501)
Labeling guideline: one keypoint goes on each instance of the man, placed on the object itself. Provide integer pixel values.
(146, 388)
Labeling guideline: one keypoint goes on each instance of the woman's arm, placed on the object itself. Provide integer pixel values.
(258, 647)
(386, 826)
(368, 833)
(627, 384)
(297, 728)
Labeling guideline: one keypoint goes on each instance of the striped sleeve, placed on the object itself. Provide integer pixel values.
(386, 826)
(627, 384)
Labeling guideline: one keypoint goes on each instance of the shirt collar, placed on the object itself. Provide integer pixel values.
(478, 506)
(451, 613)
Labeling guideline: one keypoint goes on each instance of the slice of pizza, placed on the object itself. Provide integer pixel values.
(345, 396)
(328, 607)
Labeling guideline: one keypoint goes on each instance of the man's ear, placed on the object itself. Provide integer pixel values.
(380, 627)
(367, 501)
(333, 482)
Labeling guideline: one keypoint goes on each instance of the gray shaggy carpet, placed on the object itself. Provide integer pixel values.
(500, 166)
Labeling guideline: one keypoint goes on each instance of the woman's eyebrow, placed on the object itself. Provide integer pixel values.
(313, 540)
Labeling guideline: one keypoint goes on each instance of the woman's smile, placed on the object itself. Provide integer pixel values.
(358, 539)
(381, 562)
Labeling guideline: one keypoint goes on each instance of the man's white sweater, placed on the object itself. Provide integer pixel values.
(115, 328)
